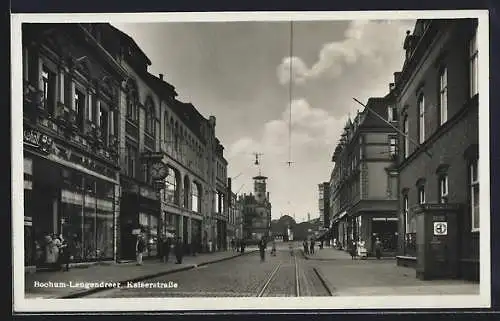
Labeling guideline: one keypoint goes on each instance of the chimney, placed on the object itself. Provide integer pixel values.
(161, 76)
(397, 75)
(212, 121)
(391, 86)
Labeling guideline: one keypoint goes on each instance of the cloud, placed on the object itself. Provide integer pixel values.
(368, 41)
(314, 133)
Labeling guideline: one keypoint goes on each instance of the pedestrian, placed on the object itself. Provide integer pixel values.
(378, 248)
(262, 248)
(306, 247)
(139, 248)
(273, 249)
(352, 250)
(179, 250)
(242, 246)
(63, 254)
(166, 249)
(50, 252)
(238, 245)
(210, 246)
(232, 244)
(311, 246)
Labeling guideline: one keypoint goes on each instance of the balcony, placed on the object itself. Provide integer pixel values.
(65, 117)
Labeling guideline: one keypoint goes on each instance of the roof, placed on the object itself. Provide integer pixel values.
(260, 177)
(132, 42)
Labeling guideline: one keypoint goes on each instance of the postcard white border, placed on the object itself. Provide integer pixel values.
(483, 300)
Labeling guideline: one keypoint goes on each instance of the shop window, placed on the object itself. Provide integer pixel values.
(474, 195)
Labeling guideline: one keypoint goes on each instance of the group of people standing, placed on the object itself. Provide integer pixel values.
(310, 244)
(165, 245)
(54, 252)
(238, 245)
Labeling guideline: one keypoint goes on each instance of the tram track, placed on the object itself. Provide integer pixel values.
(275, 283)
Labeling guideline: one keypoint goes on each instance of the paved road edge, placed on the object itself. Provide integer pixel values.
(84, 293)
(329, 288)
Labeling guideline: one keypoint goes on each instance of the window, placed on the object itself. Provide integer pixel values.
(443, 189)
(443, 96)
(171, 187)
(406, 214)
(421, 195)
(150, 116)
(165, 124)
(216, 201)
(130, 160)
(474, 195)
(392, 113)
(79, 106)
(104, 121)
(473, 65)
(421, 119)
(131, 101)
(195, 197)
(406, 141)
(49, 87)
(392, 147)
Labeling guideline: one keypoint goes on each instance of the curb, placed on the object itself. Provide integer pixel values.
(149, 276)
(329, 288)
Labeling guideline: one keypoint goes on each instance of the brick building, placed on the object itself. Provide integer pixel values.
(437, 99)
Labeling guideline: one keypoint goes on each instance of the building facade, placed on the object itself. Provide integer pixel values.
(363, 184)
(94, 121)
(437, 93)
(256, 212)
(324, 204)
(72, 90)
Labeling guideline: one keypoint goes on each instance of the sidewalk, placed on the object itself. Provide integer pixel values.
(330, 253)
(346, 277)
(35, 284)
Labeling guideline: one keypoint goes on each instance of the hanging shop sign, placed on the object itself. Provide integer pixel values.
(37, 140)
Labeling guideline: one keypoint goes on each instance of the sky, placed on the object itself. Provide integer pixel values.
(240, 72)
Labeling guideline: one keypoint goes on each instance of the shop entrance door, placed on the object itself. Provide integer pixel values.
(387, 232)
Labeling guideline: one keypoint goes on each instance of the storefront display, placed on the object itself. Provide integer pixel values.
(149, 227)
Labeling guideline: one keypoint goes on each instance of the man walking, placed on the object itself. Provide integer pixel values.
(139, 248)
(262, 248)
(166, 249)
(179, 250)
(311, 247)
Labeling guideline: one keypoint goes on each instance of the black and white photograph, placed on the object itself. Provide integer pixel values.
(245, 161)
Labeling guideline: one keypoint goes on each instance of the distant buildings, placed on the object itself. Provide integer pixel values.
(256, 211)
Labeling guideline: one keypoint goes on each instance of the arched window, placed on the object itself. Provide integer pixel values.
(165, 127)
(171, 187)
(195, 197)
(186, 191)
(150, 116)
